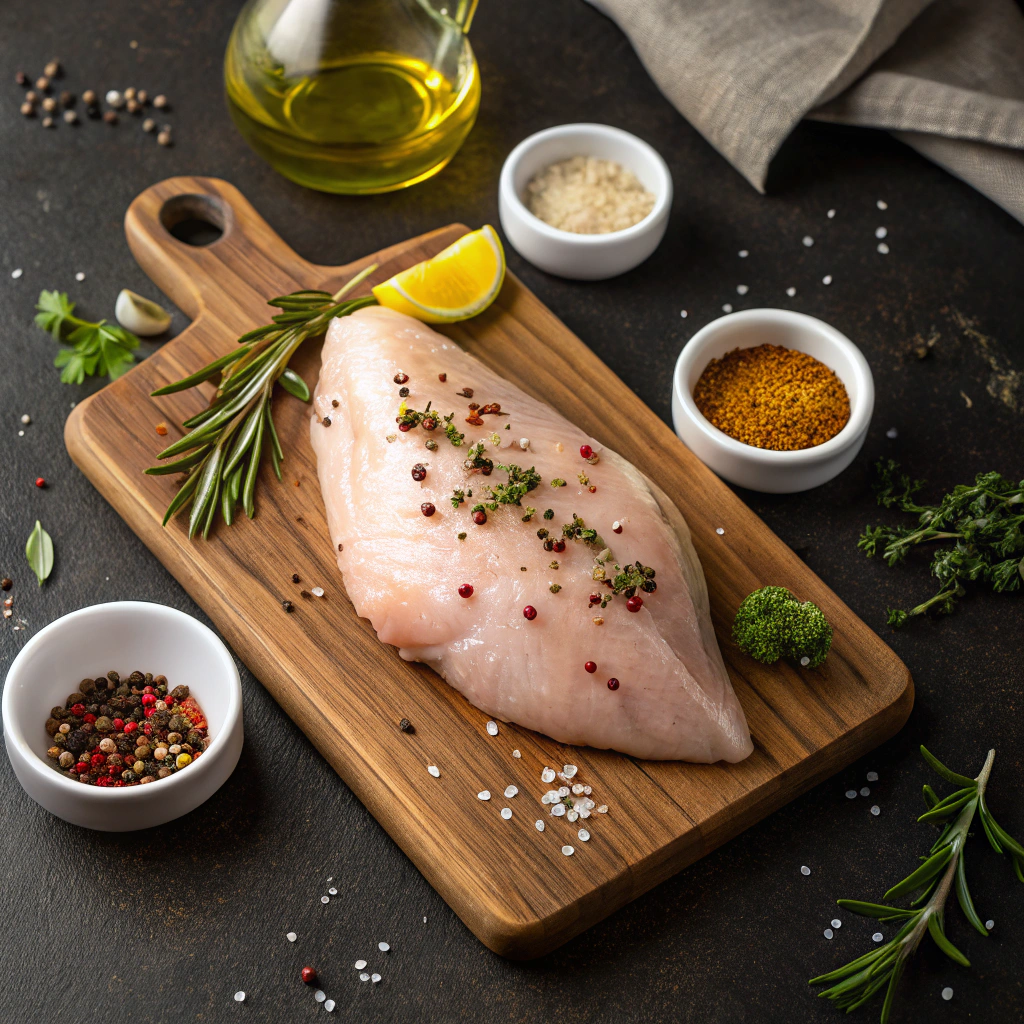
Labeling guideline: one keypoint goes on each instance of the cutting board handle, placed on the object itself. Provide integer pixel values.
(248, 258)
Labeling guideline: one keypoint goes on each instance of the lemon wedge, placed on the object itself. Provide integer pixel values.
(457, 283)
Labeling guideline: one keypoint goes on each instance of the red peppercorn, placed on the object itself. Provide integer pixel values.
(403, 427)
(308, 974)
(480, 517)
(634, 603)
(613, 683)
(113, 770)
(119, 783)
(427, 509)
(130, 727)
(40, 482)
(149, 712)
(617, 528)
(103, 780)
(442, 377)
(586, 451)
(529, 612)
(429, 423)
(147, 729)
(591, 667)
(98, 759)
(118, 724)
(401, 378)
(91, 719)
(419, 471)
(149, 689)
(559, 545)
(148, 699)
(82, 767)
(466, 590)
(595, 598)
(592, 488)
(78, 710)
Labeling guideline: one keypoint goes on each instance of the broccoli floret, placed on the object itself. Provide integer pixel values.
(771, 624)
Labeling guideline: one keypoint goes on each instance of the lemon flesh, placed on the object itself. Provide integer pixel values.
(457, 283)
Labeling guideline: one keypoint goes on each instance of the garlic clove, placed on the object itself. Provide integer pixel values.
(140, 315)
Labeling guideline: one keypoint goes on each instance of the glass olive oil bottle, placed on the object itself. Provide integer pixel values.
(353, 96)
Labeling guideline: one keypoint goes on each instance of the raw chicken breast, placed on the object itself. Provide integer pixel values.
(403, 569)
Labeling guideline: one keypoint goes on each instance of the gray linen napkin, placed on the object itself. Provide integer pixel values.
(945, 76)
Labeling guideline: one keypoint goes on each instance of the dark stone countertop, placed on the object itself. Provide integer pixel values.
(165, 925)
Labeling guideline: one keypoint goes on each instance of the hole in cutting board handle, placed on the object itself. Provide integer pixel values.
(196, 220)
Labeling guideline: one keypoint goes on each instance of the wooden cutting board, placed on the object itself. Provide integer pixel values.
(508, 882)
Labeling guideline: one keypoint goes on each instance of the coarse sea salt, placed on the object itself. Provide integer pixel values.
(851, 794)
(539, 825)
(506, 812)
(239, 997)
(877, 937)
(791, 291)
(584, 835)
(830, 214)
(990, 925)
(808, 241)
(563, 790)
(829, 933)
(291, 936)
(325, 899)
(727, 307)
(332, 891)
(720, 531)
(872, 776)
(375, 978)
(492, 728)
(947, 993)
(484, 794)
(329, 1005)
(805, 870)
(892, 433)
(743, 254)
(836, 923)
(572, 815)
(882, 204)
(434, 770)
(568, 851)
(80, 276)
(876, 810)
(577, 789)
(384, 947)
(569, 770)
(359, 965)
(547, 775)
(603, 809)
(17, 273)
(364, 976)
(515, 753)
(511, 791)
(682, 313)
(865, 791)
(319, 995)
(805, 661)
(558, 810)
(881, 232)
(742, 289)
(317, 591)
(883, 248)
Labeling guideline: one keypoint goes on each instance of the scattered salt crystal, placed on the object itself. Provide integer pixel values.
(506, 812)
(563, 790)
(484, 794)
(805, 661)
(883, 248)
(876, 810)
(364, 976)
(892, 433)
(577, 789)
(80, 276)
(26, 419)
(325, 899)
(829, 933)
(720, 530)
(332, 891)
(383, 947)
(538, 825)
(808, 241)
(584, 813)
(881, 232)
(569, 770)
(827, 279)
(329, 1006)
(492, 728)
(851, 794)
(317, 591)
(743, 254)
(584, 835)
(572, 815)
(865, 791)
(947, 993)
(359, 965)
(568, 851)
(587, 790)
(291, 936)
(319, 995)
(239, 997)
(510, 791)
(21, 433)
(558, 810)
(805, 870)
(682, 313)
(990, 925)
(872, 776)
(515, 753)
(17, 273)
(434, 770)
(603, 809)
(836, 923)
(882, 204)
(375, 978)
(742, 289)
(524, 443)
(727, 307)
(830, 214)
(791, 291)
(588, 803)
(877, 937)
(548, 775)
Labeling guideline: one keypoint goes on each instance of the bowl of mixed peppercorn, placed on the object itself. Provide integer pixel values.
(772, 400)
(128, 747)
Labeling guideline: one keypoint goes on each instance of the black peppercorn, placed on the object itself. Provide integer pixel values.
(406, 726)
(75, 741)
(136, 678)
(403, 392)
(287, 606)
(75, 698)
(87, 686)
(180, 693)
(327, 421)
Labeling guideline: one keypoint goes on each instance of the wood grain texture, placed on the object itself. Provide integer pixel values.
(510, 884)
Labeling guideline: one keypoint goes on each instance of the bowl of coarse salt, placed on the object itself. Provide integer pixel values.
(584, 201)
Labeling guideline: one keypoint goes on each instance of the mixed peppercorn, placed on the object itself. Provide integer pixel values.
(126, 732)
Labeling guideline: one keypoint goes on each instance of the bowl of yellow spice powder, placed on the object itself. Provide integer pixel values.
(772, 400)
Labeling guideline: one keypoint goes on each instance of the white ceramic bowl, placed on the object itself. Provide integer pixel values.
(123, 635)
(565, 253)
(757, 468)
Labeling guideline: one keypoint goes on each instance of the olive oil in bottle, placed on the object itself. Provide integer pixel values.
(331, 106)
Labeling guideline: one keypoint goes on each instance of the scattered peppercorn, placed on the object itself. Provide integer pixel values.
(529, 612)
(586, 451)
(40, 482)
(28, 109)
(466, 590)
(406, 726)
(419, 471)
(634, 603)
(559, 546)
(308, 975)
(590, 666)
(287, 606)
(442, 377)
(401, 378)
(21, 78)
(110, 116)
(479, 517)
(52, 68)
(89, 98)
(70, 117)
(164, 138)
(296, 578)
(43, 83)
(149, 125)
(6, 583)
(403, 392)
(465, 392)
(613, 683)
(161, 102)
(773, 397)
(427, 508)
(430, 444)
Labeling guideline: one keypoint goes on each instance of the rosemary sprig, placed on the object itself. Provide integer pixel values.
(941, 870)
(221, 453)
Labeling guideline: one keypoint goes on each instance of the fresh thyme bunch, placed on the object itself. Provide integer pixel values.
(940, 871)
(222, 451)
(984, 521)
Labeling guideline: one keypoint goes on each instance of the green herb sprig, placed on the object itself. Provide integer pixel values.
(520, 483)
(222, 450)
(984, 522)
(578, 530)
(942, 870)
(39, 552)
(93, 349)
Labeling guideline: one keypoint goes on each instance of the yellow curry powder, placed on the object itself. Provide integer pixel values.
(773, 397)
